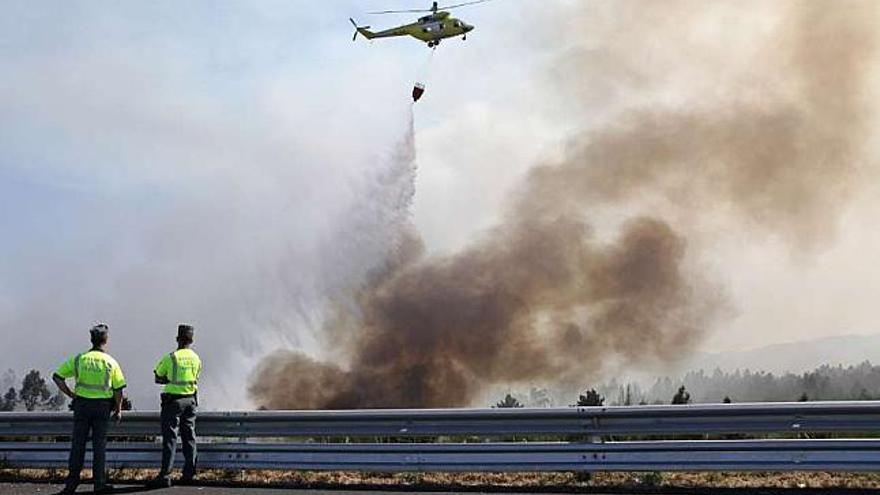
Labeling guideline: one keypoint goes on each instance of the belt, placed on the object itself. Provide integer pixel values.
(169, 397)
(177, 396)
(94, 399)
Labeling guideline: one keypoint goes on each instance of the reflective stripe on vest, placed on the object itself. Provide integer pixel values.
(105, 387)
(174, 376)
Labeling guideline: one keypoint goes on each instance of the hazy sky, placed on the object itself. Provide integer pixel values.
(200, 161)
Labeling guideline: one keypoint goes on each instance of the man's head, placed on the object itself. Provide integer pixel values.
(99, 334)
(185, 334)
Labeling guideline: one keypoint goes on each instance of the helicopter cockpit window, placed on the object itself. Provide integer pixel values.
(457, 24)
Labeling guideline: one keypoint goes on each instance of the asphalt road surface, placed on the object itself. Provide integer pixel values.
(43, 489)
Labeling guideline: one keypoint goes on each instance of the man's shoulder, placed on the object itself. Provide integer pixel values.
(67, 364)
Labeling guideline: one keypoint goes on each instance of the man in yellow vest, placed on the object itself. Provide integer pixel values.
(179, 371)
(98, 392)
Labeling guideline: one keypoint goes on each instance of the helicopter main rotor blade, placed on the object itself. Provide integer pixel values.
(432, 9)
(447, 7)
(413, 11)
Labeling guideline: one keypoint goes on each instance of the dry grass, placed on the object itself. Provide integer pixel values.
(526, 481)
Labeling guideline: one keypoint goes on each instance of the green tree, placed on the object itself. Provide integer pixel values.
(509, 401)
(726, 400)
(682, 396)
(9, 400)
(591, 398)
(34, 392)
(804, 397)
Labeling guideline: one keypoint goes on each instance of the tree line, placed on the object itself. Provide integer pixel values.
(593, 398)
(32, 395)
(856, 382)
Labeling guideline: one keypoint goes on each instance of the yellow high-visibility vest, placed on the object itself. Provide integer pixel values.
(182, 368)
(96, 373)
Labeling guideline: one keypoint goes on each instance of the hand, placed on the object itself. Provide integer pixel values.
(117, 415)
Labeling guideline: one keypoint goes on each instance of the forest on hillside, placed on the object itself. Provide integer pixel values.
(856, 382)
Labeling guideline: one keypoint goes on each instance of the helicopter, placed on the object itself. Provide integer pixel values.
(431, 29)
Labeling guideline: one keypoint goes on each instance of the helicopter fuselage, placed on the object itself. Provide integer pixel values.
(429, 29)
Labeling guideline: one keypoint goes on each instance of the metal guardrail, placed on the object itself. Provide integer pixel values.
(856, 416)
(724, 455)
(468, 431)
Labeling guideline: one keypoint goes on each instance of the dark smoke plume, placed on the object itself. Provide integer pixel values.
(542, 297)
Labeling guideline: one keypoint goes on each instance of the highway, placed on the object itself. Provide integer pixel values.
(31, 489)
(41, 489)
(44, 489)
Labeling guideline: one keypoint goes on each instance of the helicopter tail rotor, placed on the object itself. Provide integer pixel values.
(360, 29)
(353, 38)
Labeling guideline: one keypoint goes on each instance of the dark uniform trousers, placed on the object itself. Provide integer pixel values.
(89, 415)
(179, 414)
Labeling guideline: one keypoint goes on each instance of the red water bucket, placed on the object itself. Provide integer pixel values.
(418, 91)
